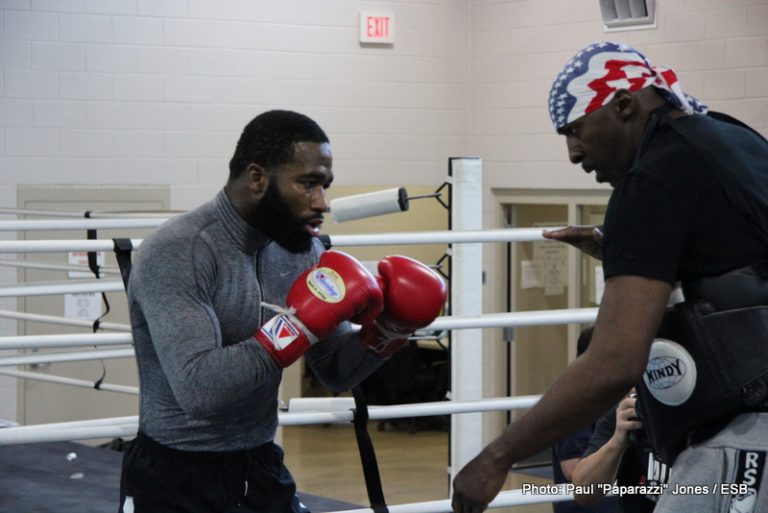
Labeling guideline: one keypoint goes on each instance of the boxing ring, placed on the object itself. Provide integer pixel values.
(465, 321)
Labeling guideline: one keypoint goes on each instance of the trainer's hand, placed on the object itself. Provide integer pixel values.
(588, 239)
(478, 483)
(414, 294)
(337, 289)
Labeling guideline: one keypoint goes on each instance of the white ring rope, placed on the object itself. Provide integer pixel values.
(92, 214)
(129, 420)
(26, 264)
(66, 340)
(64, 380)
(48, 213)
(513, 319)
(503, 500)
(78, 286)
(52, 319)
(74, 356)
(440, 237)
(380, 239)
(81, 224)
(410, 410)
(82, 430)
(57, 246)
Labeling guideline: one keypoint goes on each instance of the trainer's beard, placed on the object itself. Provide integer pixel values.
(273, 217)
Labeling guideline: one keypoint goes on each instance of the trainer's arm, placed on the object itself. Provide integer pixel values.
(629, 315)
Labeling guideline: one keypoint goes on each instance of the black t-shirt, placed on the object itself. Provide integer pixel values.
(638, 467)
(670, 219)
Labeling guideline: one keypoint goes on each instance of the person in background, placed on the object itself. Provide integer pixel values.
(567, 453)
(619, 452)
(224, 297)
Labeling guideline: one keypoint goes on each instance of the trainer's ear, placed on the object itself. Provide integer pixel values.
(625, 103)
(257, 178)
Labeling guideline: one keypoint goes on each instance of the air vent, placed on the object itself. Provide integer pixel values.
(628, 14)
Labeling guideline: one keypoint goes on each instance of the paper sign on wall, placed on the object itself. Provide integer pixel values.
(554, 279)
(86, 305)
(530, 275)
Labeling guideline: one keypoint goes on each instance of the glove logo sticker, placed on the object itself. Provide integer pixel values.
(281, 331)
(670, 374)
(326, 285)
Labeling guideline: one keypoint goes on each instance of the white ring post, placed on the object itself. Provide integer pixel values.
(466, 300)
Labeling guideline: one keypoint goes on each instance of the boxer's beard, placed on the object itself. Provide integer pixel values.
(274, 218)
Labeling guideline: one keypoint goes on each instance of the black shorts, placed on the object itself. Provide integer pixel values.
(158, 479)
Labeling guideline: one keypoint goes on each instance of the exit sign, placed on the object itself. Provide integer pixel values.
(377, 27)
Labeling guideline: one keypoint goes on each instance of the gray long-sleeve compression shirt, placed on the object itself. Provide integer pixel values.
(195, 295)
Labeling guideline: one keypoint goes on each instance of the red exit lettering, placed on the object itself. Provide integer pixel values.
(377, 27)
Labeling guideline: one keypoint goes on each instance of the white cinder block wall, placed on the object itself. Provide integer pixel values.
(137, 92)
(156, 91)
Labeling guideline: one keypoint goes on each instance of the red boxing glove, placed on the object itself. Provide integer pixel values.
(337, 289)
(414, 294)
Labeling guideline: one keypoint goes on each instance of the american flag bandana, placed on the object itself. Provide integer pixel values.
(592, 77)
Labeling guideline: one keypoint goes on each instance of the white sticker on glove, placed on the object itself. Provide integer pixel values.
(281, 331)
(326, 285)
